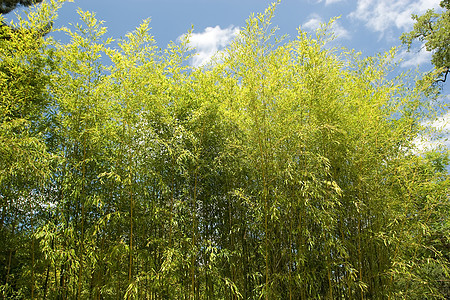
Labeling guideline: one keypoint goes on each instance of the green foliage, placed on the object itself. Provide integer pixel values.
(433, 30)
(282, 170)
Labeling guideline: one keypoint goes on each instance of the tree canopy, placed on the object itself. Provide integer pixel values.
(6, 6)
(283, 169)
(433, 30)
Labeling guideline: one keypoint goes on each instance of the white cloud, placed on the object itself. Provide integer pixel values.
(340, 31)
(384, 15)
(442, 125)
(315, 21)
(442, 122)
(327, 2)
(414, 58)
(210, 41)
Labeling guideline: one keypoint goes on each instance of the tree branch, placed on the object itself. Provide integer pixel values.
(445, 75)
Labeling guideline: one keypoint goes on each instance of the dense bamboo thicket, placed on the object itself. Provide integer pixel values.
(284, 169)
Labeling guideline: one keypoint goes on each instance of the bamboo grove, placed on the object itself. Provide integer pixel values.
(283, 169)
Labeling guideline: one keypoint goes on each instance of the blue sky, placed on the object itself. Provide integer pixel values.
(368, 26)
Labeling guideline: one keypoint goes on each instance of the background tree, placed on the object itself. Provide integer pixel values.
(433, 30)
(7, 6)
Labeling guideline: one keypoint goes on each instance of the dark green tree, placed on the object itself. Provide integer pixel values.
(6, 6)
